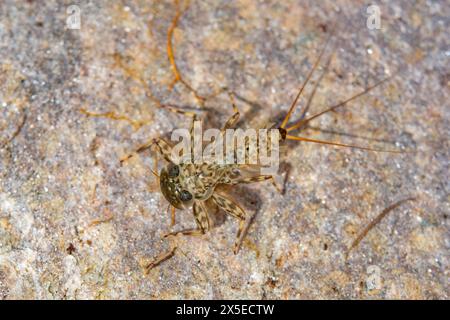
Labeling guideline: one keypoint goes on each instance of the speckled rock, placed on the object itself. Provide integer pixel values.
(76, 224)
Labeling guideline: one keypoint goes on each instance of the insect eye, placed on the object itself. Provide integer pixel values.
(185, 195)
(174, 171)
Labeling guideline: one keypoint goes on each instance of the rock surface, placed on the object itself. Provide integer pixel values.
(75, 224)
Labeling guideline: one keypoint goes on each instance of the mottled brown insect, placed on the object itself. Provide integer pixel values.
(189, 185)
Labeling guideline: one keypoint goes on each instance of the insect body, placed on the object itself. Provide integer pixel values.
(186, 185)
(189, 184)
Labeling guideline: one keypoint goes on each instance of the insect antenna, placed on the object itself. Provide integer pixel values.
(316, 85)
(350, 135)
(289, 137)
(305, 82)
(299, 124)
(302, 122)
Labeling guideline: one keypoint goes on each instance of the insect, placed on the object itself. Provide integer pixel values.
(187, 185)
(197, 186)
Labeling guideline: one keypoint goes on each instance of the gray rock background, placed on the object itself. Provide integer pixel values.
(60, 172)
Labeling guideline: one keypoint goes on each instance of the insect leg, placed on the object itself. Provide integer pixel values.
(191, 132)
(203, 223)
(185, 232)
(250, 179)
(172, 210)
(162, 147)
(136, 75)
(114, 116)
(255, 179)
(235, 181)
(201, 218)
(171, 54)
(161, 258)
(172, 215)
(234, 118)
(237, 212)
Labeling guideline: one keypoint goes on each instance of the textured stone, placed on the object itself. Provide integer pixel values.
(74, 223)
